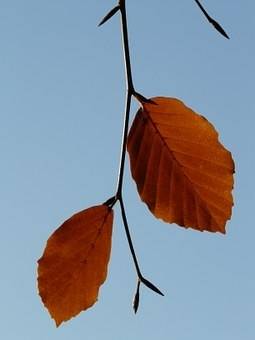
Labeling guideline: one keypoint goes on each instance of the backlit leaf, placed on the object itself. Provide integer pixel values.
(183, 173)
(74, 263)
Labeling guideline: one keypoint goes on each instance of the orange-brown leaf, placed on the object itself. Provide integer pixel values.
(74, 263)
(183, 173)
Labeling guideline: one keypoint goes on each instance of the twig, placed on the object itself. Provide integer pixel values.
(130, 92)
(125, 222)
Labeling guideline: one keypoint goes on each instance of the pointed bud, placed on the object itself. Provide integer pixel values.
(215, 24)
(151, 286)
(137, 297)
(109, 15)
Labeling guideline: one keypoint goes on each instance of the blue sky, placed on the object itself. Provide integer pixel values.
(62, 92)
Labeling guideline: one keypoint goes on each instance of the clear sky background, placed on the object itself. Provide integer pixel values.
(62, 90)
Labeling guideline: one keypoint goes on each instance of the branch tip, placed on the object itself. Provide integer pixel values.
(109, 15)
(219, 28)
(137, 297)
(215, 24)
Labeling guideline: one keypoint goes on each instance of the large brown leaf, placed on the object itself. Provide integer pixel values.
(74, 263)
(183, 173)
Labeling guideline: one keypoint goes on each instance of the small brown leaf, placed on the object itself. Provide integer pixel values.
(183, 173)
(74, 263)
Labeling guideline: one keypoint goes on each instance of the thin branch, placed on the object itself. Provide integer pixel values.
(141, 279)
(125, 40)
(124, 144)
(130, 243)
(130, 92)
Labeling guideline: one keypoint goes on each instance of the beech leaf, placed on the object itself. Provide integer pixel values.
(74, 263)
(182, 172)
